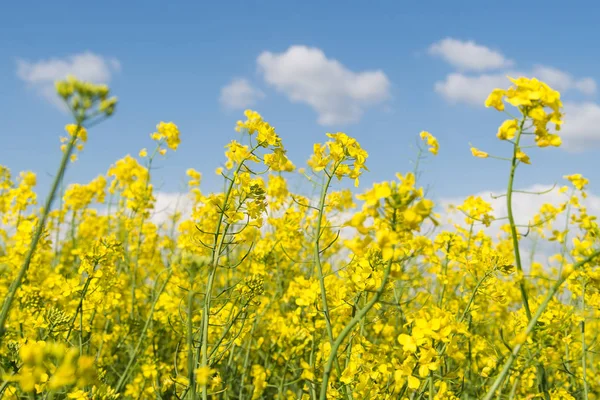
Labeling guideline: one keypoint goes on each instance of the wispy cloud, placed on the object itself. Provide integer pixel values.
(338, 95)
(239, 94)
(41, 75)
(468, 55)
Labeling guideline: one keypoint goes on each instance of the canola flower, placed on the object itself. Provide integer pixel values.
(257, 292)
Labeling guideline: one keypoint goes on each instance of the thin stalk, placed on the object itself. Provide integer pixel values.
(317, 254)
(431, 394)
(246, 360)
(513, 390)
(14, 286)
(317, 260)
(190, 343)
(348, 328)
(511, 219)
(530, 327)
(138, 346)
(445, 274)
(541, 375)
(216, 252)
(79, 306)
(583, 347)
(139, 242)
(442, 350)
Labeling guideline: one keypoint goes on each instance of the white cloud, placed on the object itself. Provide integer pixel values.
(87, 66)
(472, 90)
(581, 129)
(239, 94)
(468, 55)
(337, 94)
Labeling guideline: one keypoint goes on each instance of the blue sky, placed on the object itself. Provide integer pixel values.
(380, 71)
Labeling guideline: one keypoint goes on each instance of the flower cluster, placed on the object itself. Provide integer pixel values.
(538, 104)
(82, 97)
(166, 132)
(339, 157)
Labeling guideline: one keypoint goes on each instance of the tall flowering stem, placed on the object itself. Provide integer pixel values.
(511, 219)
(317, 255)
(531, 326)
(515, 240)
(532, 98)
(88, 103)
(37, 233)
(240, 183)
(358, 317)
(216, 253)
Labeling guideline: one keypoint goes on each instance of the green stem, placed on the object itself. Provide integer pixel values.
(80, 305)
(517, 348)
(442, 350)
(246, 360)
(190, 343)
(142, 335)
(541, 374)
(38, 232)
(348, 328)
(317, 255)
(3, 387)
(431, 394)
(445, 275)
(513, 390)
(317, 260)
(216, 252)
(511, 219)
(135, 265)
(583, 346)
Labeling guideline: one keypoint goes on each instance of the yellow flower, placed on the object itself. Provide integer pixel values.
(195, 177)
(169, 132)
(253, 122)
(548, 140)
(479, 153)
(432, 142)
(413, 382)
(537, 113)
(259, 375)
(74, 130)
(408, 343)
(82, 96)
(507, 130)
(520, 338)
(524, 158)
(495, 99)
(267, 136)
(577, 180)
(349, 374)
(203, 375)
(307, 372)
(78, 395)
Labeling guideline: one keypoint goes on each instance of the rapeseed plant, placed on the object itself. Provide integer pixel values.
(255, 292)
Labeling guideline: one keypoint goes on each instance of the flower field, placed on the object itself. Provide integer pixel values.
(257, 292)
